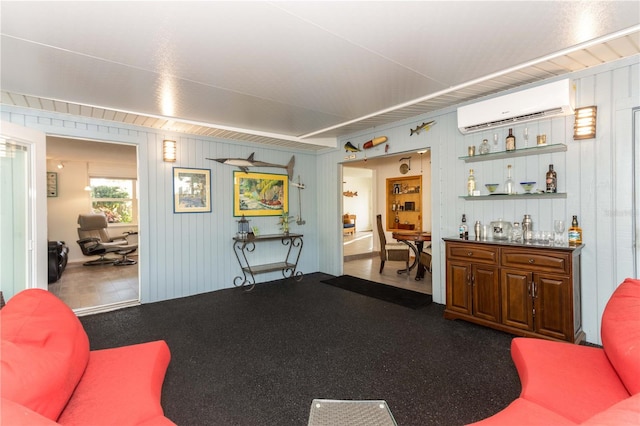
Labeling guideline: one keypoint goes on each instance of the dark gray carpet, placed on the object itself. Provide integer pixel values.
(260, 358)
(400, 296)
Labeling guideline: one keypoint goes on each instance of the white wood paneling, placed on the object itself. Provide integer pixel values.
(595, 173)
(187, 254)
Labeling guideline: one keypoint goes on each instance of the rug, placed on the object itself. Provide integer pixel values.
(400, 296)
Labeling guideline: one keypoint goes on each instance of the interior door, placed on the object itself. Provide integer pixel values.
(23, 211)
(636, 194)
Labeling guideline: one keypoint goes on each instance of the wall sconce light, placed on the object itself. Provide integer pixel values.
(585, 123)
(60, 165)
(169, 150)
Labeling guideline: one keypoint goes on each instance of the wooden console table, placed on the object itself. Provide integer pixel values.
(242, 246)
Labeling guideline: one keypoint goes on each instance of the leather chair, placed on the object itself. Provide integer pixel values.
(392, 251)
(96, 241)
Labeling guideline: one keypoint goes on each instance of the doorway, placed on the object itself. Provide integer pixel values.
(94, 176)
(361, 251)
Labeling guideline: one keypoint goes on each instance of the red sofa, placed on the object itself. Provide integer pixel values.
(49, 376)
(566, 384)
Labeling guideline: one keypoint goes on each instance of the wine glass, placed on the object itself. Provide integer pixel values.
(558, 227)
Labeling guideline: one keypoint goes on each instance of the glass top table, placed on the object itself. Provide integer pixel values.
(332, 412)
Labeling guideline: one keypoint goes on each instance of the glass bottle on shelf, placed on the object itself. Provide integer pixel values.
(495, 143)
(509, 186)
(552, 180)
(471, 183)
(484, 147)
(575, 233)
(463, 229)
(510, 142)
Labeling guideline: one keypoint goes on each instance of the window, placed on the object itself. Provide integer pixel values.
(116, 198)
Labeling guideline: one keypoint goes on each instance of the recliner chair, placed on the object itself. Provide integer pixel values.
(95, 241)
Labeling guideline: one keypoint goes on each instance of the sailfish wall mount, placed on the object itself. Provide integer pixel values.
(244, 164)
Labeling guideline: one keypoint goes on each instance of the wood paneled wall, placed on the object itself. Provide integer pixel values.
(596, 174)
(187, 254)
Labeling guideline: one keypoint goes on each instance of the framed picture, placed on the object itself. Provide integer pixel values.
(191, 190)
(260, 194)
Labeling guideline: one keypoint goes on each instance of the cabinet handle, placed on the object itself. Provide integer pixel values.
(469, 253)
(534, 290)
(532, 261)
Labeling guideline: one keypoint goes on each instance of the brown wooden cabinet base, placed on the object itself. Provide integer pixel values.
(525, 290)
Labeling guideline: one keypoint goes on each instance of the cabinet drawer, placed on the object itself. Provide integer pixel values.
(534, 260)
(472, 252)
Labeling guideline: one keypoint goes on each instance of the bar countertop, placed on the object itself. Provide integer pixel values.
(507, 243)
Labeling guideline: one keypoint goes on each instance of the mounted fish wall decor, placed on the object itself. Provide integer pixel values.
(424, 126)
(375, 141)
(350, 194)
(244, 164)
(349, 147)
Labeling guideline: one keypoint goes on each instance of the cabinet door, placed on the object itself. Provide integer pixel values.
(552, 303)
(517, 303)
(486, 292)
(459, 287)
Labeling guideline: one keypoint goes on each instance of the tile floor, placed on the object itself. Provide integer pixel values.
(85, 288)
(360, 261)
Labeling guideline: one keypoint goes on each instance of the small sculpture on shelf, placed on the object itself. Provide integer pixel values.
(284, 222)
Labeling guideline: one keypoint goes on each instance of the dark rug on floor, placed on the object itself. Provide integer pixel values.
(400, 296)
(260, 358)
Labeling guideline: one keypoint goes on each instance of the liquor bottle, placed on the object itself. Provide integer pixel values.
(551, 180)
(484, 147)
(510, 142)
(509, 186)
(463, 229)
(471, 183)
(575, 233)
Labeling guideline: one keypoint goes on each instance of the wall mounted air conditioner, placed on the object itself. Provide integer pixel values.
(549, 100)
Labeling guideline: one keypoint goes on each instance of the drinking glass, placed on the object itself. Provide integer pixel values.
(558, 227)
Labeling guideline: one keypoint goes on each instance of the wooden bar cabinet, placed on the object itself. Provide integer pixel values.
(524, 289)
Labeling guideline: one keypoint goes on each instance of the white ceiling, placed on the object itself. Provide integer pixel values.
(298, 73)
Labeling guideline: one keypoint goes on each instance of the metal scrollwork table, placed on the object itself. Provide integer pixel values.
(242, 246)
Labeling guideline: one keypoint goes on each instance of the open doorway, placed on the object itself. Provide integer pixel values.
(94, 177)
(369, 178)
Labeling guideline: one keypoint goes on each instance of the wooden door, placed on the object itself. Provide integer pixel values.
(552, 304)
(458, 287)
(486, 292)
(517, 302)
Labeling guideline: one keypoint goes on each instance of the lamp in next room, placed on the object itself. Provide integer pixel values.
(169, 150)
(585, 123)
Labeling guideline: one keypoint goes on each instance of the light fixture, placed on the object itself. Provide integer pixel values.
(169, 150)
(584, 126)
(60, 165)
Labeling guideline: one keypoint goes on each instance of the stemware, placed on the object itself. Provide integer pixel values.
(558, 227)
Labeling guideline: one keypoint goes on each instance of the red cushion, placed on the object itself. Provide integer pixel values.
(524, 413)
(44, 352)
(626, 412)
(621, 333)
(14, 414)
(121, 386)
(572, 380)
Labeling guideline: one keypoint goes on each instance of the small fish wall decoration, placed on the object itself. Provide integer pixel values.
(349, 147)
(350, 194)
(424, 126)
(375, 141)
